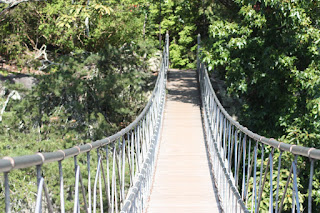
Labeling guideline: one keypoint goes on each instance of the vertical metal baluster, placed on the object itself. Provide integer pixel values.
(310, 186)
(62, 207)
(100, 187)
(123, 168)
(76, 191)
(244, 166)
(147, 132)
(271, 182)
(221, 128)
(129, 156)
(147, 128)
(95, 185)
(231, 151)
(39, 196)
(150, 125)
(39, 178)
(224, 138)
(198, 53)
(216, 131)
(119, 163)
(152, 119)
(239, 159)
(222, 118)
(234, 203)
(143, 140)
(248, 171)
(278, 181)
(229, 146)
(213, 119)
(115, 180)
(235, 156)
(293, 201)
(230, 196)
(254, 196)
(89, 182)
(138, 147)
(211, 126)
(261, 170)
(108, 178)
(132, 153)
(7, 192)
(226, 141)
(295, 183)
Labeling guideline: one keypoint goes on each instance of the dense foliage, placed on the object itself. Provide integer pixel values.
(183, 20)
(90, 96)
(66, 25)
(268, 54)
(94, 79)
(93, 56)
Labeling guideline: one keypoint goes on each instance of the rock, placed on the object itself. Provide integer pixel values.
(27, 81)
(154, 62)
(3, 90)
(231, 104)
(15, 95)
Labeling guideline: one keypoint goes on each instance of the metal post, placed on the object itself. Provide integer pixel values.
(271, 186)
(278, 181)
(160, 25)
(62, 207)
(89, 182)
(7, 192)
(39, 177)
(310, 186)
(198, 52)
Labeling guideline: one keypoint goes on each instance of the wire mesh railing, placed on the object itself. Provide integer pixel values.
(254, 173)
(109, 175)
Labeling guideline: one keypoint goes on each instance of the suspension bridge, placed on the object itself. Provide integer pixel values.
(183, 153)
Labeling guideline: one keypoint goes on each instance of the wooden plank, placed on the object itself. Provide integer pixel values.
(182, 180)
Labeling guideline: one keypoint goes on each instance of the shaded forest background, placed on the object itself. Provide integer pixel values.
(91, 63)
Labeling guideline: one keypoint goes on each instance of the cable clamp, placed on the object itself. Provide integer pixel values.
(309, 151)
(64, 154)
(292, 147)
(41, 155)
(11, 161)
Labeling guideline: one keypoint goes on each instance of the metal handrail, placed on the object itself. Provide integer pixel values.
(294, 149)
(134, 147)
(8, 163)
(229, 141)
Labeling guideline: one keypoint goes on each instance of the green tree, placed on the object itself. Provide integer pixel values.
(268, 53)
(183, 20)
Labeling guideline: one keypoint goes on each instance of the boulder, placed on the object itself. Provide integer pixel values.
(26, 81)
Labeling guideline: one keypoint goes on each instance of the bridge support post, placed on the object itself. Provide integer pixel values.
(167, 50)
(7, 192)
(198, 52)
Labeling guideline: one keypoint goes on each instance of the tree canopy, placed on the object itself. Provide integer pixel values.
(93, 59)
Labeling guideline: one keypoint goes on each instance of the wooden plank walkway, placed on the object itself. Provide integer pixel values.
(182, 180)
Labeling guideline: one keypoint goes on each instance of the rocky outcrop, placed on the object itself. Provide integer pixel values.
(26, 81)
(231, 104)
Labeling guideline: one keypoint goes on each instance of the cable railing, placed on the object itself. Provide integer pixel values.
(109, 175)
(253, 173)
